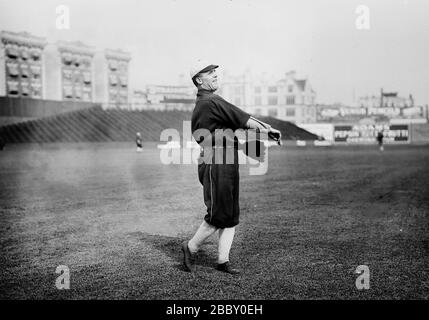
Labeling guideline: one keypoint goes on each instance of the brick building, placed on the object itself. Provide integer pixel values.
(21, 65)
(69, 71)
(111, 70)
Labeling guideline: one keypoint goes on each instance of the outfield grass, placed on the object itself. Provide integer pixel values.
(116, 218)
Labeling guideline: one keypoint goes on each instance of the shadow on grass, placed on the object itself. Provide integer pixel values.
(171, 247)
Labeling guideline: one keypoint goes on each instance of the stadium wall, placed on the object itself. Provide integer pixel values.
(419, 133)
(28, 107)
(398, 131)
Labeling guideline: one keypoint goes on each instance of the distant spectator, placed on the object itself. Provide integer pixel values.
(380, 137)
(139, 142)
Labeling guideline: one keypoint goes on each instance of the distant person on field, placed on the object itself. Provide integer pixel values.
(380, 137)
(139, 142)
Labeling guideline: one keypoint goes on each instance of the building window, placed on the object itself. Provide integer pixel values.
(12, 69)
(78, 92)
(257, 89)
(35, 70)
(12, 51)
(272, 89)
(87, 77)
(113, 65)
(123, 66)
(258, 101)
(272, 101)
(24, 53)
(77, 77)
(24, 71)
(113, 80)
(290, 112)
(25, 90)
(290, 88)
(35, 53)
(12, 87)
(35, 92)
(68, 92)
(67, 74)
(77, 61)
(124, 81)
(272, 112)
(67, 58)
(290, 100)
(258, 112)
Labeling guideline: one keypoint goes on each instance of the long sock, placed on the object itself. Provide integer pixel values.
(204, 231)
(226, 236)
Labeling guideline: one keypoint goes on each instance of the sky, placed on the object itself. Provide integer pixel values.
(318, 39)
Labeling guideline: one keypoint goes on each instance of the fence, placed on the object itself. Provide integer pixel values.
(29, 107)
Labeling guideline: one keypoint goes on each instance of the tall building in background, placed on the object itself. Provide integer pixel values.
(69, 71)
(21, 65)
(288, 98)
(111, 70)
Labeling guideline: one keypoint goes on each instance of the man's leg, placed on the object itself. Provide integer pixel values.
(191, 247)
(226, 236)
(204, 231)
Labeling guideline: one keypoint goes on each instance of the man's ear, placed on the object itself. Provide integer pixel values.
(198, 80)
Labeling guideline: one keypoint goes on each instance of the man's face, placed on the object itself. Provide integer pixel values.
(208, 80)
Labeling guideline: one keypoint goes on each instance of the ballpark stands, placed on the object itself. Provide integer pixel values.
(97, 125)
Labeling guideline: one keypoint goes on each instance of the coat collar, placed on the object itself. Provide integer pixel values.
(204, 92)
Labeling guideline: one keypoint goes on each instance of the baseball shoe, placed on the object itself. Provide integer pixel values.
(226, 267)
(187, 257)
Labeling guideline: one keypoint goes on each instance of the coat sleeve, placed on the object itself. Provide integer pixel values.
(230, 115)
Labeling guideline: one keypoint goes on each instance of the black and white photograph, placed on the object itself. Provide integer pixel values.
(214, 155)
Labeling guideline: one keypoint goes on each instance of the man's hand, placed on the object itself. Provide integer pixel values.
(263, 127)
(276, 135)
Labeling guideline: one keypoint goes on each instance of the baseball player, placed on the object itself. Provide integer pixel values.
(139, 142)
(380, 137)
(220, 180)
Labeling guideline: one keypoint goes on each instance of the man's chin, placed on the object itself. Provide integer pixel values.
(211, 88)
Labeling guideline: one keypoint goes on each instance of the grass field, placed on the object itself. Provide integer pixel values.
(116, 218)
